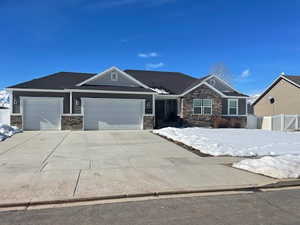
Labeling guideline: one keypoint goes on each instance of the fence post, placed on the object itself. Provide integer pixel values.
(297, 122)
(282, 122)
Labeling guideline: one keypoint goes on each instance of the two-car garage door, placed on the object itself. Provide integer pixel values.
(111, 114)
(41, 113)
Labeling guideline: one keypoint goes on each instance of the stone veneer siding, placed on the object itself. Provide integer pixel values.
(72, 122)
(148, 122)
(242, 120)
(16, 120)
(202, 92)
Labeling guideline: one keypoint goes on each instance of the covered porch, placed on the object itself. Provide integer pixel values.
(167, 111)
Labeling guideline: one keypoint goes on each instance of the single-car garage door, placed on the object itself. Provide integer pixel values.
(40, 113)
(113, 114)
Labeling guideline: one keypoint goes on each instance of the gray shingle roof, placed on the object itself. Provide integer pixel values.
(172, 82)
(294, 78)
(57, 81)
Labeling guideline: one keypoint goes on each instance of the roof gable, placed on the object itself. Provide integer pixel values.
(100, 79)
(113, 78)
(224, 90)
(294, 80)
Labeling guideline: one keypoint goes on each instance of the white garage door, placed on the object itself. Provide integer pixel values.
(42, 113)
(113, 114)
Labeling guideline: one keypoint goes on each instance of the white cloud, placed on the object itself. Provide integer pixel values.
(154, 66)
(246, 73)
(148, 55)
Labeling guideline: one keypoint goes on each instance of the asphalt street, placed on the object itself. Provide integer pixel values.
(279, 207)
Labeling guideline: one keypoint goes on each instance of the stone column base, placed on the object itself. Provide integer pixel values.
(148, 122)
(71, 122)
(16, 120)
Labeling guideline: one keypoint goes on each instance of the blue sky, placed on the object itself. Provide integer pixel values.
(255, 40)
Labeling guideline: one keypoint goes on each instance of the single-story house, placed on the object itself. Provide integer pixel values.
(281, 97)
(129, 99)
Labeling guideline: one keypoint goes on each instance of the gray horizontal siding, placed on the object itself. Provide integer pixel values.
(241, 105)
(78, 95)
(18, 94)
(77, 99)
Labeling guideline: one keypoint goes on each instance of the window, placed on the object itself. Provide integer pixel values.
(114, 76)
(202, 106)
(232, 106)
(207, 106)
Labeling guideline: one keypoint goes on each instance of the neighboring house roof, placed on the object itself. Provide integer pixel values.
(172, 82)
(293, 79)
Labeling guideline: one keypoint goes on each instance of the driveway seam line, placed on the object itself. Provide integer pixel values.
(77, 182)
(55, 148)
(17, 145)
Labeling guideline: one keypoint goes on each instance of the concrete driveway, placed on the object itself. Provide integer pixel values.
(46, 166)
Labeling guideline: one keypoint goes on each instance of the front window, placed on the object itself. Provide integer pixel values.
(202, 106)
(232, 106)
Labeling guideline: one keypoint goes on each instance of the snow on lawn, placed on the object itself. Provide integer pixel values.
(8, 131)
(235, 142)
(286, 166)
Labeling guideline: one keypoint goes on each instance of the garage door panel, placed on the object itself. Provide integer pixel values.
(42, 113)
(111, 114)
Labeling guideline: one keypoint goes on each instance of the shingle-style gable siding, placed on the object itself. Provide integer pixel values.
(221, 86)
(202, 92)
(105, 79)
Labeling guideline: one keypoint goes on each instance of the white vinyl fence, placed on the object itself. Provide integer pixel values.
(5, 116)
(280, 122)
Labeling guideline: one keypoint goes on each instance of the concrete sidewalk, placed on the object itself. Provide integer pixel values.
(50, 166)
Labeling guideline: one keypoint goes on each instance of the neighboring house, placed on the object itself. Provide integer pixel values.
(281, 97)
(116, 99)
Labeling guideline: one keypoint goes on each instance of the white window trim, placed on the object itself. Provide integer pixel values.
(112, 74)
(202, 107)
(228, 106)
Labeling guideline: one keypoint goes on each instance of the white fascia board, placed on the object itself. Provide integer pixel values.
(225, 82)
(207, 84)
(269, 86)
(211, 87)
(37, 90)
(79, 90)
(111, 69)
(287, 79)
(113, 92)
(196, 86)
(157, 96)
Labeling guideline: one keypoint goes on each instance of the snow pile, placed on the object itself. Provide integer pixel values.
(160, 91)
(286, 166)
(235, 142)
(8, 131)
(4, 99)
(281, 150)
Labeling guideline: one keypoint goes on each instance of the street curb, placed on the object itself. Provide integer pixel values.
(280, 184)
